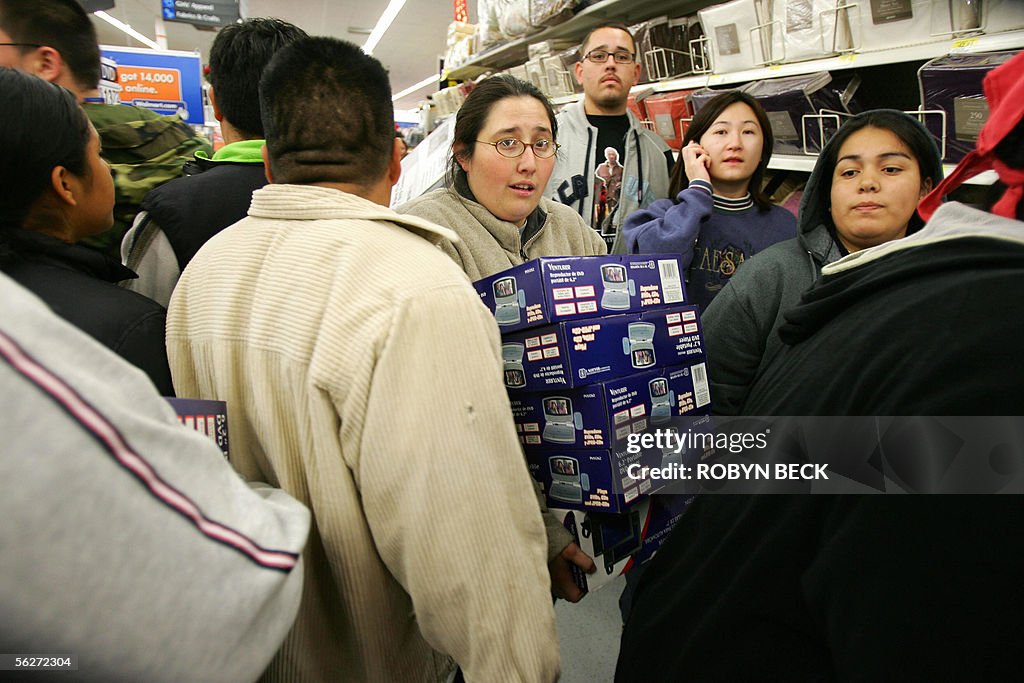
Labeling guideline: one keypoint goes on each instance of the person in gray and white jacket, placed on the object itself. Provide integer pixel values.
(129, 541)
(607, 69)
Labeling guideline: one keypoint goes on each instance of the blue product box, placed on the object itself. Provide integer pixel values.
(604, 415)
(205, 416)
(549, 290)
(591, 350)
(664, 512)
(597, 479)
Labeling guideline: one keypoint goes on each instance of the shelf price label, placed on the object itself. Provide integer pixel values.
(848, 58)
(964, 43)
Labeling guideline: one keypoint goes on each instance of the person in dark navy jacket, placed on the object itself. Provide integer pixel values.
(58, 193)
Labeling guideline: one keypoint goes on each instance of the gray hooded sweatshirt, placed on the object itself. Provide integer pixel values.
(741, 324)
(644, 177)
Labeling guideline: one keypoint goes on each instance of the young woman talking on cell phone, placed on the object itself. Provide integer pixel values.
(716, 216)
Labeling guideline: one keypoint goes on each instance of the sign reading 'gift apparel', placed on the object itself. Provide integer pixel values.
(205, 14)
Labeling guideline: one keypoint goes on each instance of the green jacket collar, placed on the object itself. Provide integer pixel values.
(244, 152)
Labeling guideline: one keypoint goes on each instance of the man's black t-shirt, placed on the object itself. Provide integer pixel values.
(611, 135)
(608, 170)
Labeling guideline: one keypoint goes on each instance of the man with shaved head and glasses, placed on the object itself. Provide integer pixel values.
(609, 66)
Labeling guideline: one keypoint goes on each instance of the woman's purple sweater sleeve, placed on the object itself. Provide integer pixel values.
(669, 226)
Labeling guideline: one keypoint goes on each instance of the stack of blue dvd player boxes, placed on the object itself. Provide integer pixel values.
(598, 350)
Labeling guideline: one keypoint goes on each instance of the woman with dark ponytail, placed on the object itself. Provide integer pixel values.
(56, 191)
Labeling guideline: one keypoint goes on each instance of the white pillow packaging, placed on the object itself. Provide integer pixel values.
(727, 28)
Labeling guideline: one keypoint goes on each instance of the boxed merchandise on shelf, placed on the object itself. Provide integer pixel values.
(582, 352)
(810, 29)
(619, 542)
(670, 113)
(559, 81)
(787, 100)
(895, 23)
(552, 12)
(637, 107)
(664, 49)
(996, 15)
(536, 74)
(561, 68)
(547, 48)
(519, 71)
(729, 28)
(603, 415)
(698, 98)
(552, 289)
(514, 17)
(487, 23)
(953, 84)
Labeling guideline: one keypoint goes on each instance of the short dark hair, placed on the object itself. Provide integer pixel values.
(704, 119)
(60, 24)
(327, 114)
(910, 132)
(473, 113)
(237, 59)
(43, 128)
(616, 25)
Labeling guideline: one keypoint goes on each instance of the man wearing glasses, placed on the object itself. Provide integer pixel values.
(608, 68)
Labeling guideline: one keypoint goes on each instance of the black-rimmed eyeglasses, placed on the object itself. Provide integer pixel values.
(513, 147)
(601, 56)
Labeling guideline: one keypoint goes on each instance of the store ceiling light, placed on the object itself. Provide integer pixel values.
(383, 24)
(432, 78)
(120, 25)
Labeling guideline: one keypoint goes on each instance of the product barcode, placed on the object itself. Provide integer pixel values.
(701, 391)
(671, 284)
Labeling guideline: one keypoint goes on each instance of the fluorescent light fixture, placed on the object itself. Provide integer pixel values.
(383, 24)
(126, 29)
(432, 78)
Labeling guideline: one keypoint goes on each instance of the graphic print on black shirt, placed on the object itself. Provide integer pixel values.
(611, 138)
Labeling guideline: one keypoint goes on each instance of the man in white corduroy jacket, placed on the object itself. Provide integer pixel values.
(363, 376)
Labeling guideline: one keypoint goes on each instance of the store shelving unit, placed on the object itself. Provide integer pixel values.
(805, 164)
(630, 11)
(992, 42)
(515, 51)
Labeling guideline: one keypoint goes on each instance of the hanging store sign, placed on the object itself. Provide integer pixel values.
(91, 6)
(165, 81)
(213, 14)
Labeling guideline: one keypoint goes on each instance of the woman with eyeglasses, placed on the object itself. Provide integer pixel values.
(503, 153)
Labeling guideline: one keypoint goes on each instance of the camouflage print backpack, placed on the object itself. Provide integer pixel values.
(144, 150)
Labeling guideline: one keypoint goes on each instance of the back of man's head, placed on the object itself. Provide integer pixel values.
(327, 114)
(238, 57)
(60, 24)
